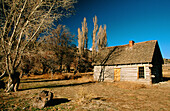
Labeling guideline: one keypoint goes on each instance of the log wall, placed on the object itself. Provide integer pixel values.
(127, 73)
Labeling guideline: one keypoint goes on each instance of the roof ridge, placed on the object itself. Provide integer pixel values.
(128, 44)
(146, 41)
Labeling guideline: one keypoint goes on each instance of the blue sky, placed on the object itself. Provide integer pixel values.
(138, 20)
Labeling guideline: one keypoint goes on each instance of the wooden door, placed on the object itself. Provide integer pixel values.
(117, 74)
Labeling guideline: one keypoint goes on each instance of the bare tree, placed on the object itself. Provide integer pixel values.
(105, 37)
(21, 22)
(85, 32)
(80, 41)
(83, 38)
(99, 40)
(94, 37)
(101, 37)
(59, 43)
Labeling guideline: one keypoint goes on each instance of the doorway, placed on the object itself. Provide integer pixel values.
(117, 74)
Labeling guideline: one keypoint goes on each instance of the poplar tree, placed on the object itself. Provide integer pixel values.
(85, 32)
(82, 37)
(80, 44)
(102, 37)
(94, 37)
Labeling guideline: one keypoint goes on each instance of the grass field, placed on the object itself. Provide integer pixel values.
(83, 94)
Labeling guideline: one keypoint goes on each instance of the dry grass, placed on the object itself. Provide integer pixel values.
(130, 85)
(63, 76)
(87, 95)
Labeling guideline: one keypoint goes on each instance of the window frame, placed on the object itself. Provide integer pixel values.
(143, 72)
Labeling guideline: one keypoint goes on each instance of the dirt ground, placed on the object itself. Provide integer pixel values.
(83, 94)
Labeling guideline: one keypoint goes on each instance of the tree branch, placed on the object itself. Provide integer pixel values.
(3, 75)
(3, 8)
(17, 24)
(32, 37)
(20, 37)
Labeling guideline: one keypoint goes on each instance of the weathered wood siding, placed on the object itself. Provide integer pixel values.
(127, 73)
(106, 72)
(166, 70)
(130, 73)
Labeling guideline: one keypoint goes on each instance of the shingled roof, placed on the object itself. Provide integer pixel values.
(125, 54)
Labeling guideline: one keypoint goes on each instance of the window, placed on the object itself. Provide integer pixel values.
(141, 72)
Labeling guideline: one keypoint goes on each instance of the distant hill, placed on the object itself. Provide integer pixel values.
(166, 61)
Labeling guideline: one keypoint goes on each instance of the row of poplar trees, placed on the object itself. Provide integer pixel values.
(99, 41)
(99, 38)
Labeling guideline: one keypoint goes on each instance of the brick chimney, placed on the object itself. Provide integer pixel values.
(131, 43)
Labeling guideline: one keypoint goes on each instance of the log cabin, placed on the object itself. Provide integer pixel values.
(140, 62)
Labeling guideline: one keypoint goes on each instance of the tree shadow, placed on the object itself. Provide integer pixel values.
(57, 101)
(103, 62)
(38, 80)
(55, 86)
(48, 80)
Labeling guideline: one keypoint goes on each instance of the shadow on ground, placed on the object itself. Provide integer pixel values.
(38, 80)
(54, 86)
(166, 78)
(57, 101)
(32, 80)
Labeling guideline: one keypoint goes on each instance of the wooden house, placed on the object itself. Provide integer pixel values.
(141, 62)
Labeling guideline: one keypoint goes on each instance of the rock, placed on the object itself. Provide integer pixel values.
(41, 100)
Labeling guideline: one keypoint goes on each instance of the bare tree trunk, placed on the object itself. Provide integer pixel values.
(61, 63)
(68, 68)
(77, 70)
(13, 82)
(52, 74)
